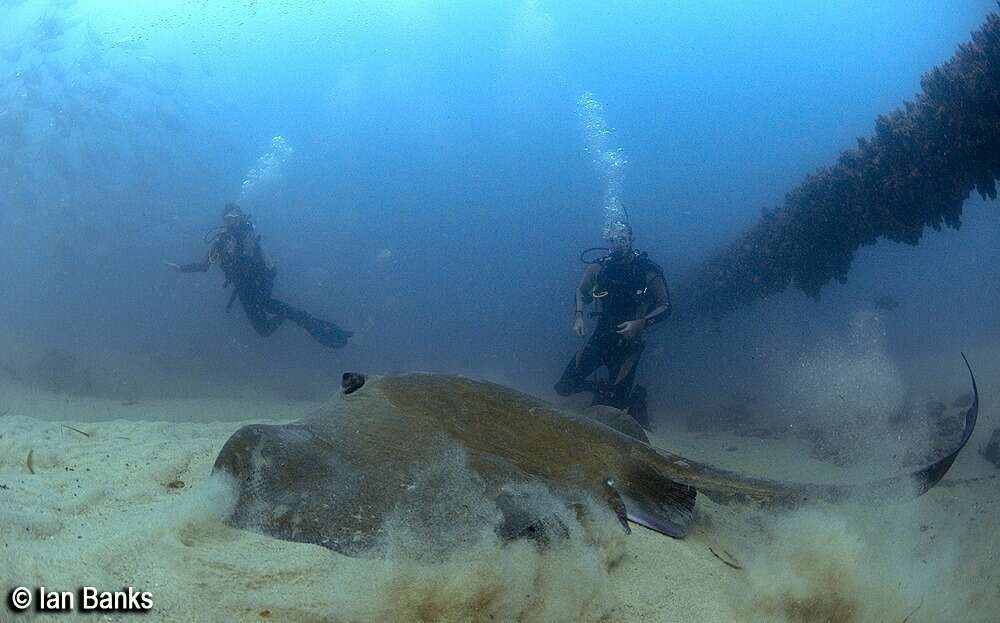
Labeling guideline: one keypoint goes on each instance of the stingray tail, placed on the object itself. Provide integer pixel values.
(724, 486)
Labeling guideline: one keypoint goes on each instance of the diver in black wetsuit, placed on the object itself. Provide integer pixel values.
(632, 295)
(236, 246)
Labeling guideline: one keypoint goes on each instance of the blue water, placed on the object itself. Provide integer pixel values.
(438, 182)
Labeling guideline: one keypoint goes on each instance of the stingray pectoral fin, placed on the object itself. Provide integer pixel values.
(669, 513)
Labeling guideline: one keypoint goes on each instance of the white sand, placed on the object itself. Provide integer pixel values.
(99, 510)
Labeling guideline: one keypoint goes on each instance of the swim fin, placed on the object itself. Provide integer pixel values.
(326, 333)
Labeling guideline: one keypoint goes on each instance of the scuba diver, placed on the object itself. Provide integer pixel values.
(236, 247)
(632, 296)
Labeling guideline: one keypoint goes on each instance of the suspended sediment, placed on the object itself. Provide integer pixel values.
(916, 171)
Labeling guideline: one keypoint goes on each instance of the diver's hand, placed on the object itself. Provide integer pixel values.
(173, 265)
(578, 326)
(631, 329)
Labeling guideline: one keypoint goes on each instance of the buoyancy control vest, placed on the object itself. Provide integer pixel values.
(622, 287)
(240, 255)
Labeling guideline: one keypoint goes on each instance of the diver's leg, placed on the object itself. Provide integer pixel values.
(622, 367)
(582, 365)
(256, 313)
(323, 331)
(257, 317)
(254, 291)
(637, 406)
(280, 308)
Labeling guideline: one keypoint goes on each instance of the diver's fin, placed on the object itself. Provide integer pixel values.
(669, 514)
(326, 333)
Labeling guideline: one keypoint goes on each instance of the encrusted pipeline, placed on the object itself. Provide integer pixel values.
(918, 168)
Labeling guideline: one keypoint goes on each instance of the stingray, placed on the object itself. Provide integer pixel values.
(337, 476)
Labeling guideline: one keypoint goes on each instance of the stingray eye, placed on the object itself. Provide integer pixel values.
(352, 382)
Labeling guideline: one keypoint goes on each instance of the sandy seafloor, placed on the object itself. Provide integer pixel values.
(100, 510)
